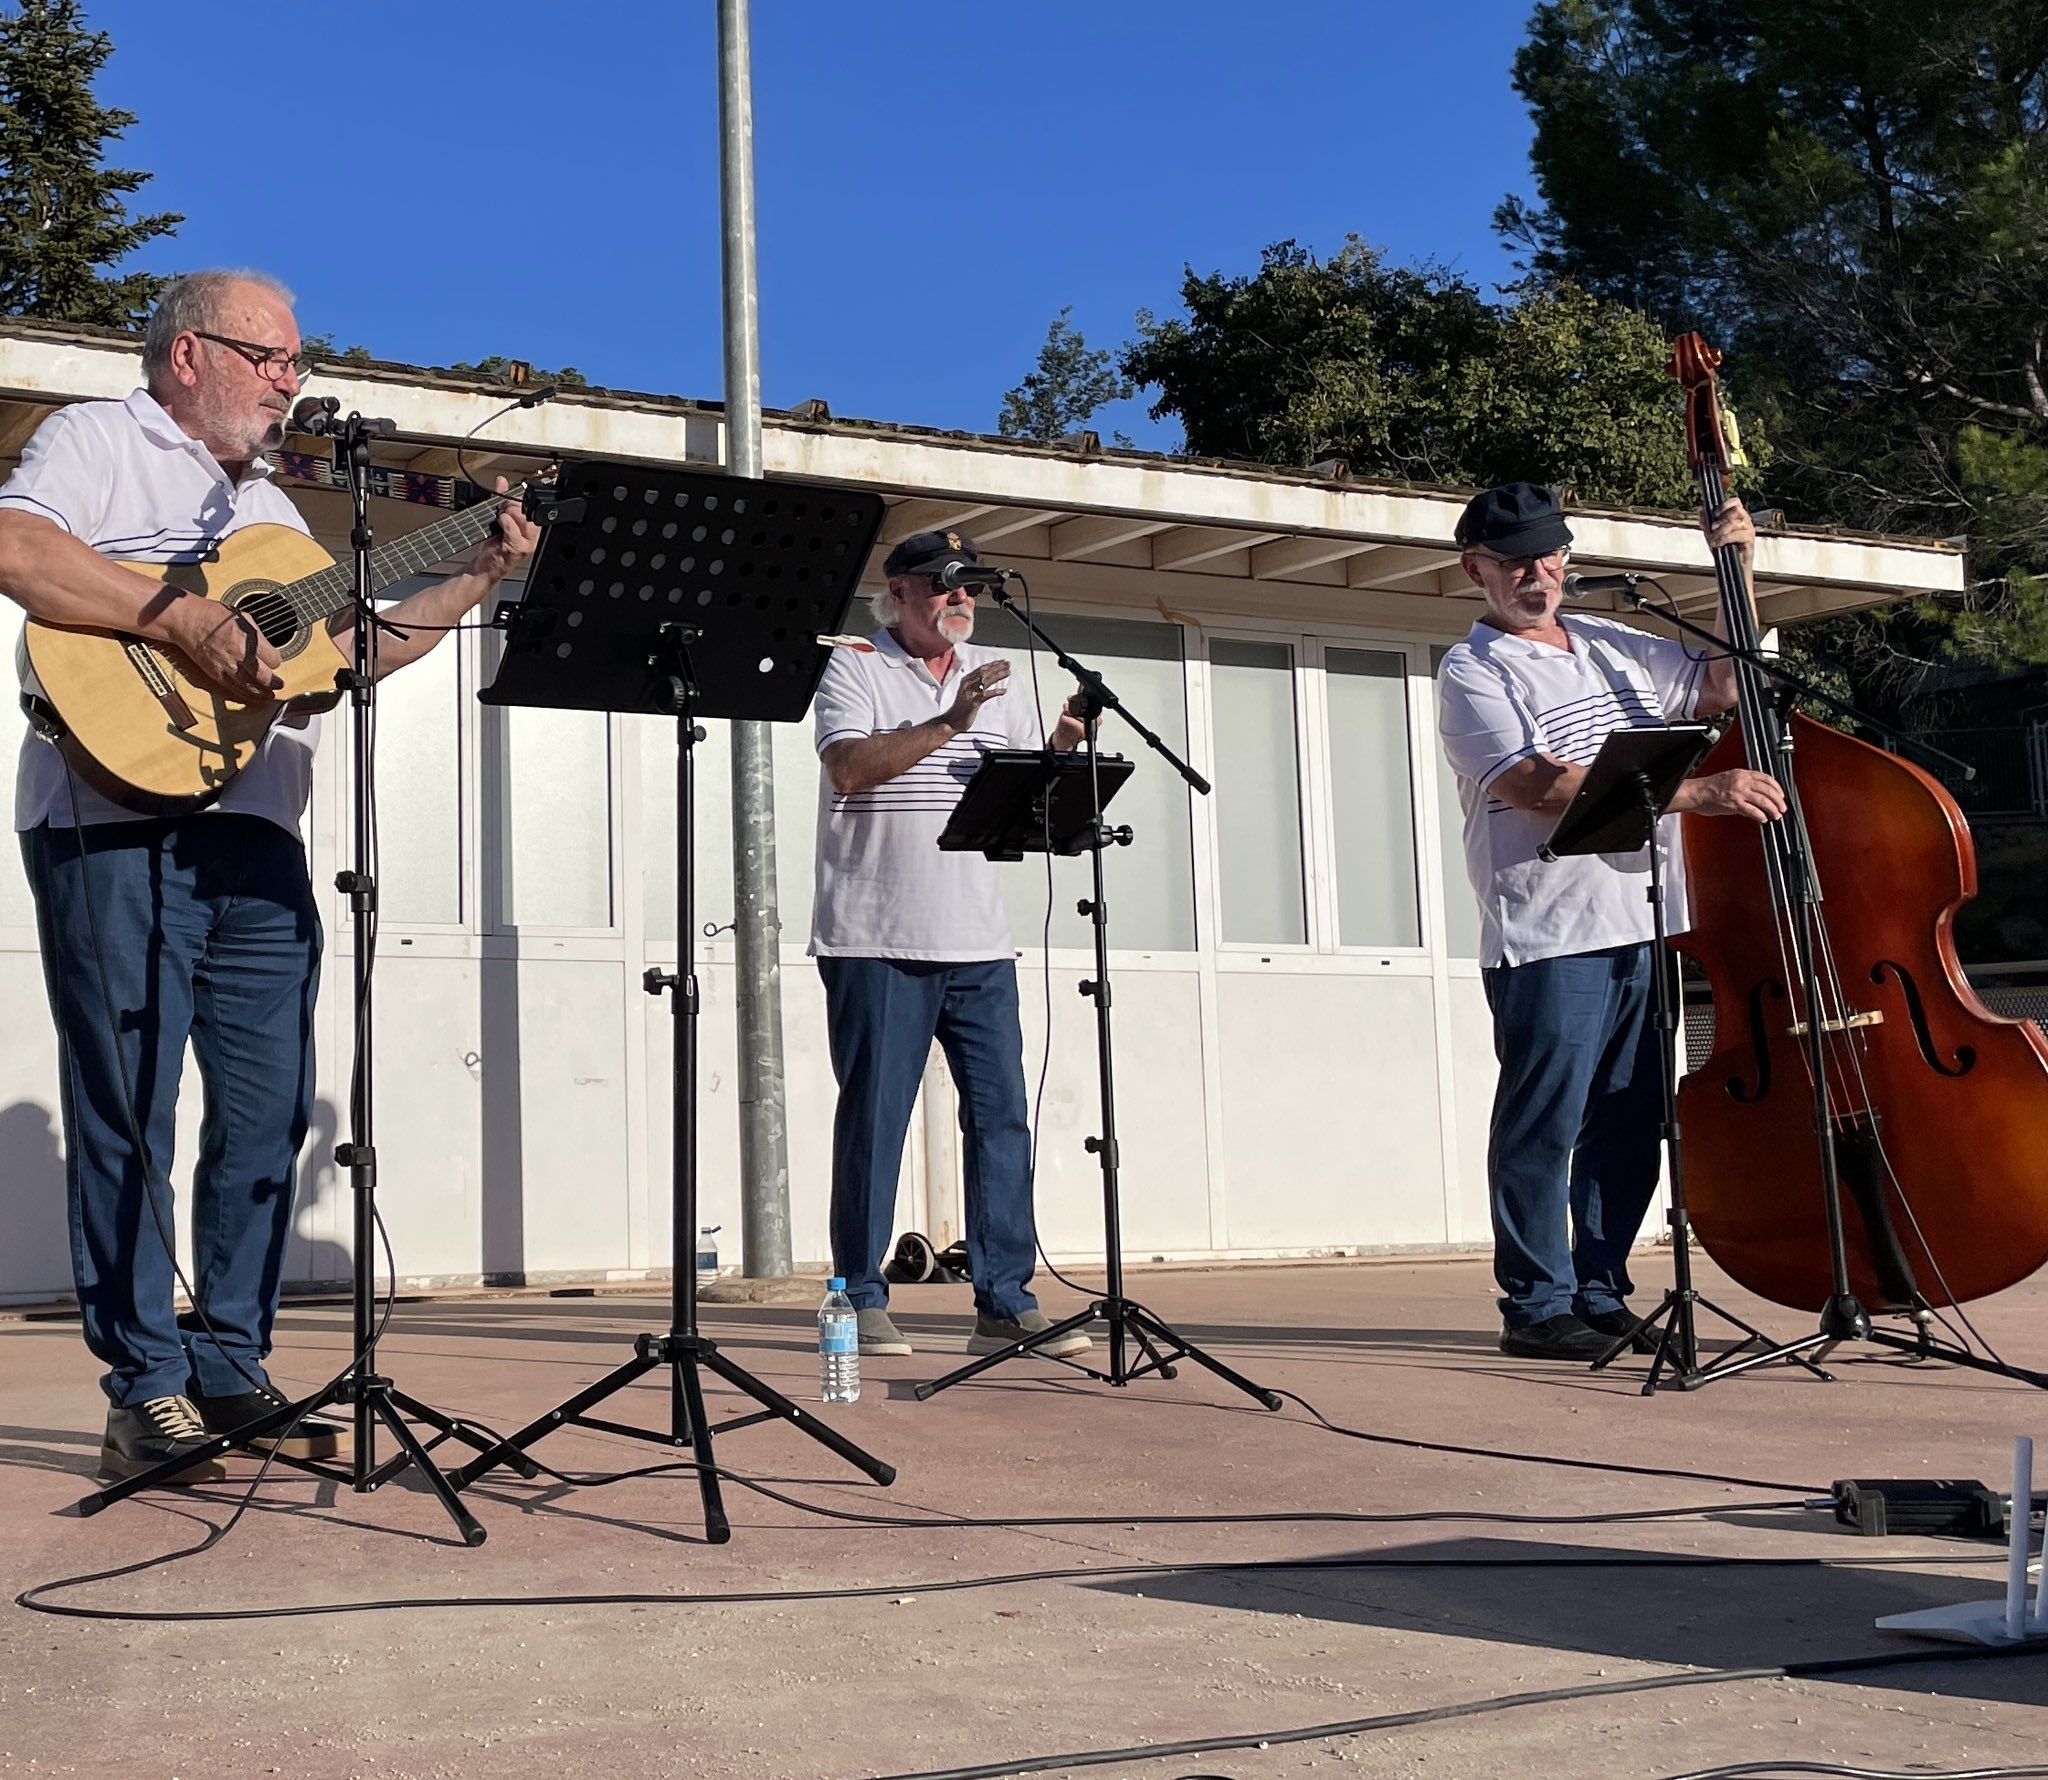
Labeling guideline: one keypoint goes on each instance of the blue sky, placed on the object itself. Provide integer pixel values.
(936, 177)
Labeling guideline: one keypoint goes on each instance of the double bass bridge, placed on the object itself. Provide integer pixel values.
(1847, 1023)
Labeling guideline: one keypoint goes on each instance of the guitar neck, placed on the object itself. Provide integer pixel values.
(332, 589)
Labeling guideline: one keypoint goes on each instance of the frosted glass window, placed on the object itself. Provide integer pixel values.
(1367, 693)
(1258, 793)
(420, 788)
(554, 813)
(1461, 907)
(711, 876)
(1151, 882)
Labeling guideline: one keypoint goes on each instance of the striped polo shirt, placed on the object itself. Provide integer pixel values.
(1502, 699)
(884, 890)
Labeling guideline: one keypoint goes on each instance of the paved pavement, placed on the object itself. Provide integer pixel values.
(929, 1676)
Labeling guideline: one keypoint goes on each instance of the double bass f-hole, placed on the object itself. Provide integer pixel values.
(1965, 1056)
(1749, 1093)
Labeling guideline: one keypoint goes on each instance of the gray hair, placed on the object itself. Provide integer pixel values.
(192, 304)
(882, 604)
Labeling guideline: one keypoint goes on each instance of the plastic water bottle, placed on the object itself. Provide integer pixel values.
(707, 1252)
(838, 1346)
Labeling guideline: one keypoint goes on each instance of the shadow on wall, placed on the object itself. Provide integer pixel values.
(32, 1203)
(32, 1207)
(315, 1262)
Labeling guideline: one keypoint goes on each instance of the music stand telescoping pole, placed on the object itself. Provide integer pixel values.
(371, 1397)
(684, 595)
(1128, 1322)
(1617, 809)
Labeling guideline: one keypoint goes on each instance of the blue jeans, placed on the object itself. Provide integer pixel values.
(881, 1015)
(1575, 1129)
(208, 935)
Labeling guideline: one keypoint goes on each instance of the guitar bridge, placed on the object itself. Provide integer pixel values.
(162, 687)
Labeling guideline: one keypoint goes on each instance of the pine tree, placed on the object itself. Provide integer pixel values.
(1062, 394)
(64, 220)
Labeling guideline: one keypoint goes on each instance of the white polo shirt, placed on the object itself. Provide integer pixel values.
(884, 890)
(1501, 699)
(125, 478)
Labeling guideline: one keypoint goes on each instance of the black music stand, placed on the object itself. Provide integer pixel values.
(683, 594)
(1049, 802)
(1030, 800)
(1616, 810)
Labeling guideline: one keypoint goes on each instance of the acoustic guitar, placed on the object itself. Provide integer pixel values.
(142, 732)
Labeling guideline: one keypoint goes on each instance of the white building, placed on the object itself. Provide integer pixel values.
(1303, 1048)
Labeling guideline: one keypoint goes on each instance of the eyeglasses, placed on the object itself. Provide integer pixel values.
(271, 362)
(939, 590)
(1523, 564)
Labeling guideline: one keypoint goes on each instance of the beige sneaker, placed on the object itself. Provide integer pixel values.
(878, 1334)
(992, 1333)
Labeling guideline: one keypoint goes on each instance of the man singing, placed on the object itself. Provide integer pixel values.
(1524, 704)
(201, 930)
(913, 943)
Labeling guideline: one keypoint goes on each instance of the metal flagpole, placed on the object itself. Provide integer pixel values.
(757, 926)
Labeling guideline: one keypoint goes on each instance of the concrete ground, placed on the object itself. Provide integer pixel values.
(916, 1679)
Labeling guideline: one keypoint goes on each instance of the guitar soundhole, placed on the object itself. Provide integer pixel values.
(265, 603)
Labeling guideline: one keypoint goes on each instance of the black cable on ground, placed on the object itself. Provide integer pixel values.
(1552, 1696)
(1756, 1770)
(35, 1600)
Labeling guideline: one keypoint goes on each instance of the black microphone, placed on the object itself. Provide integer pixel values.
(314, 414)
(1578, 587)
(970, 574)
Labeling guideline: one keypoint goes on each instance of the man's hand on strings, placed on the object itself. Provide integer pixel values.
(1732, 525)
(226, 651)
(1756, 797)
(512, 542)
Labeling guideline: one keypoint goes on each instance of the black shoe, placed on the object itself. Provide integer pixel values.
(147, 1434)
(315, 1437)
(1555, 1338)
(1612, 1323)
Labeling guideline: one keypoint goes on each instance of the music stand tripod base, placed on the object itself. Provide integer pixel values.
(1616, 809)
(1020, 802)
(683, 594)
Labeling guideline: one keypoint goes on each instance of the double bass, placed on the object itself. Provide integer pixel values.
(1855, 1080)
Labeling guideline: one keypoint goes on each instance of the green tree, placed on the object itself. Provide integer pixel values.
(1071, 382)
(63, 214)
(1852, 197)
(1411, 373)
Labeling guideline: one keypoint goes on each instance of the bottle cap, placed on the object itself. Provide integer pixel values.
(835, 1284)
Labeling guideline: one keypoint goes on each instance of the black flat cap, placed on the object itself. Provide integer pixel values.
(1515, 519)
(926, 553)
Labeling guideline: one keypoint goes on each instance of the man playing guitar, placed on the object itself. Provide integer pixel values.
(198, 929)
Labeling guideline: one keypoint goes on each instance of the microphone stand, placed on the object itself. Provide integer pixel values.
(1160, 1343)
(1843, 1317)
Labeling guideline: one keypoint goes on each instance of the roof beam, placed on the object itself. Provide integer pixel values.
(18, 423)
(908, 517)
(1184, 546)
(1009, 520)
(443, 460)
(1288, 557)
(1397, 565)
(1092, 533)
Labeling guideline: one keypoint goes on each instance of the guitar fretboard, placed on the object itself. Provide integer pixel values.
(321, 595)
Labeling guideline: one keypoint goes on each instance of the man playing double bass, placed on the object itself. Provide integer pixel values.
(1524, 704)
